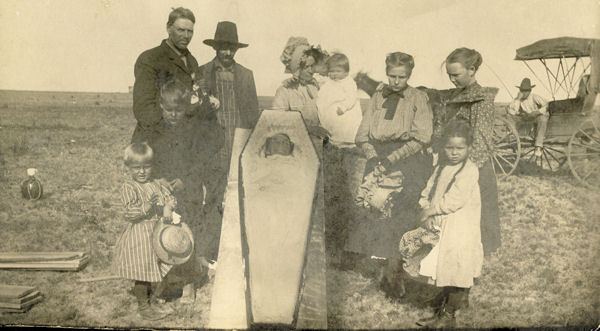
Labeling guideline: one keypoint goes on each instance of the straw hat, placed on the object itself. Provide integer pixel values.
(172, 243)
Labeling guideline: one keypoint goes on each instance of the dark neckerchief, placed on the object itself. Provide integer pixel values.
(392, 97)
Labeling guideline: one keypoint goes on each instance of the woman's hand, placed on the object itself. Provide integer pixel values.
(428, 224)
(426, 214)
(379, 170)
(405, 136)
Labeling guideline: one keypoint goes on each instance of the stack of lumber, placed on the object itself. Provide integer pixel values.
(60, 261)
(18, 299)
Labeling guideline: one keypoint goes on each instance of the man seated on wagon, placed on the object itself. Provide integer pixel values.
(529, 107)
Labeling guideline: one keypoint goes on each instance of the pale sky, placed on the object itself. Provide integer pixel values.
(91, 45)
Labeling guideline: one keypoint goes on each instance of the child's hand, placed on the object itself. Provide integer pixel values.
(151, 203)
(168, 209)
(165, 183)
(339, 111)
(214, 102)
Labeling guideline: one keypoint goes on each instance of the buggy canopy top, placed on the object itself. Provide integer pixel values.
(556, 48)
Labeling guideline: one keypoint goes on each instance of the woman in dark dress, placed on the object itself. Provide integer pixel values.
(393, 135)
(473, 103)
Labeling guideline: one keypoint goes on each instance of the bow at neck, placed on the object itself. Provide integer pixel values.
(389, 91)
(392, 97)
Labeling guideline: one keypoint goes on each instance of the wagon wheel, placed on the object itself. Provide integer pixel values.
(583, 153)
(553, 152)
(507, 149)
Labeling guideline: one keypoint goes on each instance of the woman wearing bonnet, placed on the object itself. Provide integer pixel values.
(300, 92)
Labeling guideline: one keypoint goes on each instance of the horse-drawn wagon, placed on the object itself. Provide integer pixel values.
(572, 69)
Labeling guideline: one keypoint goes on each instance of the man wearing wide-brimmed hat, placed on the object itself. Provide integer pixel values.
(531, 107)
(233, 85)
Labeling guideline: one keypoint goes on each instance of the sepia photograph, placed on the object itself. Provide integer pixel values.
(314, 164)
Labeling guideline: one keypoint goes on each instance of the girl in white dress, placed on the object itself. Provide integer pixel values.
(451, 208)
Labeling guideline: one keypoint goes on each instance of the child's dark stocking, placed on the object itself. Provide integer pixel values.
(458, 298)
(141, 291)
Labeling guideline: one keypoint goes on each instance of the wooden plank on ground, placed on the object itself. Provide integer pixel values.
(7, 257)
(228, 308)
(21, 299)
(14, 291)
(32, 300)
(312, 311)
(24, 308)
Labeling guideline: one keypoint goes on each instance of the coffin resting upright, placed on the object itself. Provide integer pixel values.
(277, 200)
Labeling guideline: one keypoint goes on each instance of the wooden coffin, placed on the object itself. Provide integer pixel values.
(277, 200)
(228, 308)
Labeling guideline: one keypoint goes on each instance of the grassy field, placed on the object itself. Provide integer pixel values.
(547, 272)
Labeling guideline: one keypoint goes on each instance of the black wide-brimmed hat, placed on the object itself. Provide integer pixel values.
(525, 85)
(226, 33)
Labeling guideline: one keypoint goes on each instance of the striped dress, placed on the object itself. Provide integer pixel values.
(134, 257)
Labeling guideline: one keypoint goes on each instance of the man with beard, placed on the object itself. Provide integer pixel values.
(233, 85)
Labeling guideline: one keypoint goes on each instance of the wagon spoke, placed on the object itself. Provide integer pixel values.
(589, 173)
(597, 149)
(554, 149)
(500, 165)
(590, 137)
(545, 155)
(508, 144)
(584, 154)
(504, 159)
(552, 155)
(506, 135)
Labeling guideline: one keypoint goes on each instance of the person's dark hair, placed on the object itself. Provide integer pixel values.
(465, 56)
(399, 59)
(457, 128)
(180, 12)
(338, 60)
(175, 92)
(454, 129)
(317, 53)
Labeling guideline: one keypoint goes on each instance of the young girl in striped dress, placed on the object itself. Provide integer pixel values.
(451, 210)
(145, 200)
